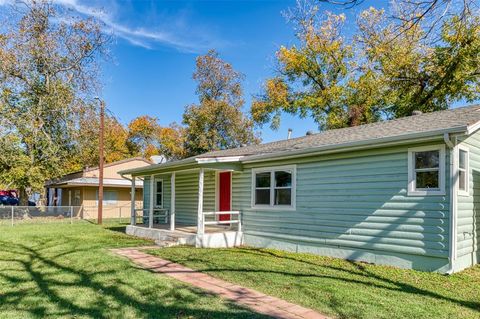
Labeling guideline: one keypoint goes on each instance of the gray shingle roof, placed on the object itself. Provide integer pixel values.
(458, 118)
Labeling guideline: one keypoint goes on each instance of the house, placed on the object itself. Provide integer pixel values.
(404, 192)
(80, 189)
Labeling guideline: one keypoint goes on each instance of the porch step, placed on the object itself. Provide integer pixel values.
(171, 239)
(178, 238)
(166, 243)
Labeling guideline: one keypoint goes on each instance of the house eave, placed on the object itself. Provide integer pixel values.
(69, 184)
(156, 168)
(212, 162)
(473, 128)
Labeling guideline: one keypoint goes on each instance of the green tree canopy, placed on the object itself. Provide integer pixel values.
(218, 121)
(48, 71)
(387, 69)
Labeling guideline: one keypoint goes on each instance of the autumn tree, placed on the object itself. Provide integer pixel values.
(217, 122)
(311, 77)
(48, 71)
(172, 140)
(146, 137)
(392, 65)
(86, 141)
(417, 71)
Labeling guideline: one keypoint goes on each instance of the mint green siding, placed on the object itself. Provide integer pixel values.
(186, 195)
(147, 190)
(356, 201)
(351, 205)
(468, 212)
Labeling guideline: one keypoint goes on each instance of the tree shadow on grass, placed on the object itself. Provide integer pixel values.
(117, 228)
(34, 265)
(364, 277)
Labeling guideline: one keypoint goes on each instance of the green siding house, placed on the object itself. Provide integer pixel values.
(404, 192)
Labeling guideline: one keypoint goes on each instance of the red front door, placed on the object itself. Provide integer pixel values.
(225, 194)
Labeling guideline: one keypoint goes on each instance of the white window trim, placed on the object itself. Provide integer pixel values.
(155, 192)
(412, 191)
(293, 169)
(465, 192)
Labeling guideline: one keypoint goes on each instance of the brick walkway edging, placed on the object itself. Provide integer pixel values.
(256, 301)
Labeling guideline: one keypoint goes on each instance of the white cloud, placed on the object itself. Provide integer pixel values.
(181, 39)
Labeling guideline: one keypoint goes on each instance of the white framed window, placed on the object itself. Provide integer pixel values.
(274, 187)
(463, 170)
(426, 170)
(158, 193)
(109, 197)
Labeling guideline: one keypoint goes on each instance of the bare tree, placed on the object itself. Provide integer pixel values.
(429, 13)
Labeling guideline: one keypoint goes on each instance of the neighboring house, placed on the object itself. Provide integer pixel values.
(404, 192)
(81, 189)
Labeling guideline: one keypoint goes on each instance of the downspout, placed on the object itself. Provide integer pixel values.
(453, 205)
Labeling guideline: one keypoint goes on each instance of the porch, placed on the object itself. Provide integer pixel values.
(190, 206)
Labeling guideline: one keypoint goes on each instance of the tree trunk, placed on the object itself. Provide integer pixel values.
(23, 200)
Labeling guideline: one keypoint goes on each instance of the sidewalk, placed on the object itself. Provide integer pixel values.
(246, 297)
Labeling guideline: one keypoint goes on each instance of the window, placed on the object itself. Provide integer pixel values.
(463, 171)
(274, 187)
(159, 193)
(76, 197)
(262, 188)
(426, 170)
(109, 197)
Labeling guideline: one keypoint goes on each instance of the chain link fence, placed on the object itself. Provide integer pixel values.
(13, 215)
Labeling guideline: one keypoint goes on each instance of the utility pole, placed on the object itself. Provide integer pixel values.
(100, 164)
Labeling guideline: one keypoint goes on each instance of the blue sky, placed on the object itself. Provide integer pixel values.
(156, 43)
(154, 76)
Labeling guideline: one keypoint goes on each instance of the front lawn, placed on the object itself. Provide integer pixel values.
(337, 287)
(61, 270)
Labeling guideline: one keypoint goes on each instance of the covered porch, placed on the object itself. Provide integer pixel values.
(190, 205)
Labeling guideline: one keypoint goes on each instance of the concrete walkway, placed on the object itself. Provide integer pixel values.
(246, 297)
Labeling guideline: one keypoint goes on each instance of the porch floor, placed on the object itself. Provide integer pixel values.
(209, 229)
(215, 236)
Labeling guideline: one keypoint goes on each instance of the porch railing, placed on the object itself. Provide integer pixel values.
(217, 221)
(158, 214)
(163, 215)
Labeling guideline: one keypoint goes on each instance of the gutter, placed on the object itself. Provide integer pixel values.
(130, 179)
(453, 205)
(223, 159)
(123, 176)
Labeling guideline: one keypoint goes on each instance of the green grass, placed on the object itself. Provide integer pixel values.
(61, 270)
(337, 287)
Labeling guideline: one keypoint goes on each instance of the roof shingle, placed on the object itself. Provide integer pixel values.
(423, 123)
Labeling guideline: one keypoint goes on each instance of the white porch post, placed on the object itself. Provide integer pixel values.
(172, 203)
(150, 215)
(200, 225)
(133, 219)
